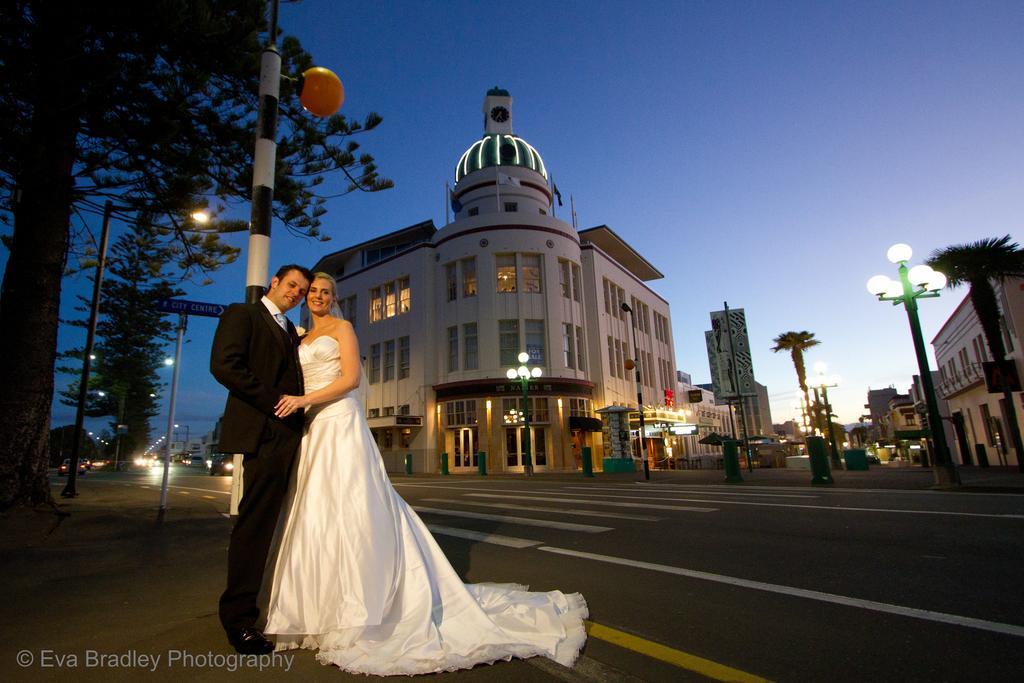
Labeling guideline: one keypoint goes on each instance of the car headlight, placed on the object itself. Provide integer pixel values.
(229, 466)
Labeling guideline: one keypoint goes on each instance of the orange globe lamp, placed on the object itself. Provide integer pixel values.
(321, 92)
(629, 364)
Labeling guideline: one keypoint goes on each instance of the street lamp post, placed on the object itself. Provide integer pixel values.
(825, 383)
(639, 393)
(83, 383)
(919, 282)
(522, 374)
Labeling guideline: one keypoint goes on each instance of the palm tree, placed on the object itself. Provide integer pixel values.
(979, 264)
(796, 343)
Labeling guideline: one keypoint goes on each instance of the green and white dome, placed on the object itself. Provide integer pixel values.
(499, 149)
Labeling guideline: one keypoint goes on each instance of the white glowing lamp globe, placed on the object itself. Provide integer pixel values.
(523, 371)
(894, 289)
(535, 373)
(920, 275)
(899, 252)
(523, 356)
(511, 373)
(878, 284)
(936, 282)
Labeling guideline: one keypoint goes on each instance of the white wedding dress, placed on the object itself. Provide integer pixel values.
(359, 577)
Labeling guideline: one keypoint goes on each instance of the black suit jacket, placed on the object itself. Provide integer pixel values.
(257, 362)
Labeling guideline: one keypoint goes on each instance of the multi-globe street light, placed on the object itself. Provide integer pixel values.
(523, 374)
(919, 282)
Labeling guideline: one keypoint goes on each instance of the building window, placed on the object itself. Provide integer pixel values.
(581, 358)
(538, 408)
(531, 272)
(373, 412)
(348, 309)
(506, 269)
(621, 293)
(568, 346)
(564, 278)
(405, 438)
(387, 440)
(390, 304)
(403, 409)
(449, 277)
(468, 277)
(646, 318)
(460, 413)
(389, 360)
(389, 411)
(376, 305)
(403, 357)
(511, 207)
(620, 352)
(508, 343)
(453, 349)
(473, 211)
(469, 356)
(579, 407)
(612, 347)
(374, 363)
(607, 295)
(535, 341)
(577, 286)
(404, 296)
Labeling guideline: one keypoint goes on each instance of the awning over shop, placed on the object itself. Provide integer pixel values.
(585, 424)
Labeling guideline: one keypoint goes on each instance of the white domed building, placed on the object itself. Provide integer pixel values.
(443, 314)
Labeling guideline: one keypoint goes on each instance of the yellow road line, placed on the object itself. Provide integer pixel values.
(209, 497)
(683, 660)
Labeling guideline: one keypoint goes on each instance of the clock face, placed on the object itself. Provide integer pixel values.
(499, 114)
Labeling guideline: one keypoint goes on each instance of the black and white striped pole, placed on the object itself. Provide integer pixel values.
(321, 93)
(639, 394)
(264, 161)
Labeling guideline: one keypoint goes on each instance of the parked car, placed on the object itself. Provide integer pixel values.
(66, 465)
(222, 465)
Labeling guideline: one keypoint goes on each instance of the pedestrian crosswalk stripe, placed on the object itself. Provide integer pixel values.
(609, 503)
(525, 521)
(494, 539)
(687, 491)
(683, 660)
(538, 508)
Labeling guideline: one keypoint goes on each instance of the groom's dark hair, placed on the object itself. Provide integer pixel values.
(284, 270)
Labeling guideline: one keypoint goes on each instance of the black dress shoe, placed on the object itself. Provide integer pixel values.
(250, 641)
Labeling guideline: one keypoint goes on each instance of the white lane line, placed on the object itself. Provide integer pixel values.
(842, 491)
(900, 610)
(600, 500)
(611, 503)
(539, 508)
(525, 521)
(689, 491)
(494, 539)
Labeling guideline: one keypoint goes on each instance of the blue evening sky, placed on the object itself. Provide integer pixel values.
(761, 153)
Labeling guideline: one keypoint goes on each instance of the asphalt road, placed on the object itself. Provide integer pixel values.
(690, 582)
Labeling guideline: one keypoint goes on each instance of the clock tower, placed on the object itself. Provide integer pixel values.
(498, 112)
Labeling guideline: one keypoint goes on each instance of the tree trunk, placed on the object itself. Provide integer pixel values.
(30, 294)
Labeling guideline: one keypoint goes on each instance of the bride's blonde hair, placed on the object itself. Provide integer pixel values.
(335, 307)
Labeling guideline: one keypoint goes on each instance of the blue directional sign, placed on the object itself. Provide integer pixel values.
(189, 307)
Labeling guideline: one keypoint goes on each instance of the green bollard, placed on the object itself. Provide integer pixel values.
(481, 463)
(821, 474)
(588, 463)
(731, 459)
(408, 463)
(444, 463)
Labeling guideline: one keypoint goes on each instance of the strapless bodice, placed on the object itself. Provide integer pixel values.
(320, 362)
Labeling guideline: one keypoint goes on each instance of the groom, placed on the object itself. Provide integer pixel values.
(255, 356)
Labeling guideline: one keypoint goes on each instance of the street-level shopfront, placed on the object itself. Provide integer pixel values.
(487, 417)
(665, 433)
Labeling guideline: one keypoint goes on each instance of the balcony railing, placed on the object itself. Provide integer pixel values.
(961, 381)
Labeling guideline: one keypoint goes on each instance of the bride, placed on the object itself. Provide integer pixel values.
(358, 576)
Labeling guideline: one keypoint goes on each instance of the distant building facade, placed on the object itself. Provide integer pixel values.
(442, 314)
(980, 420)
